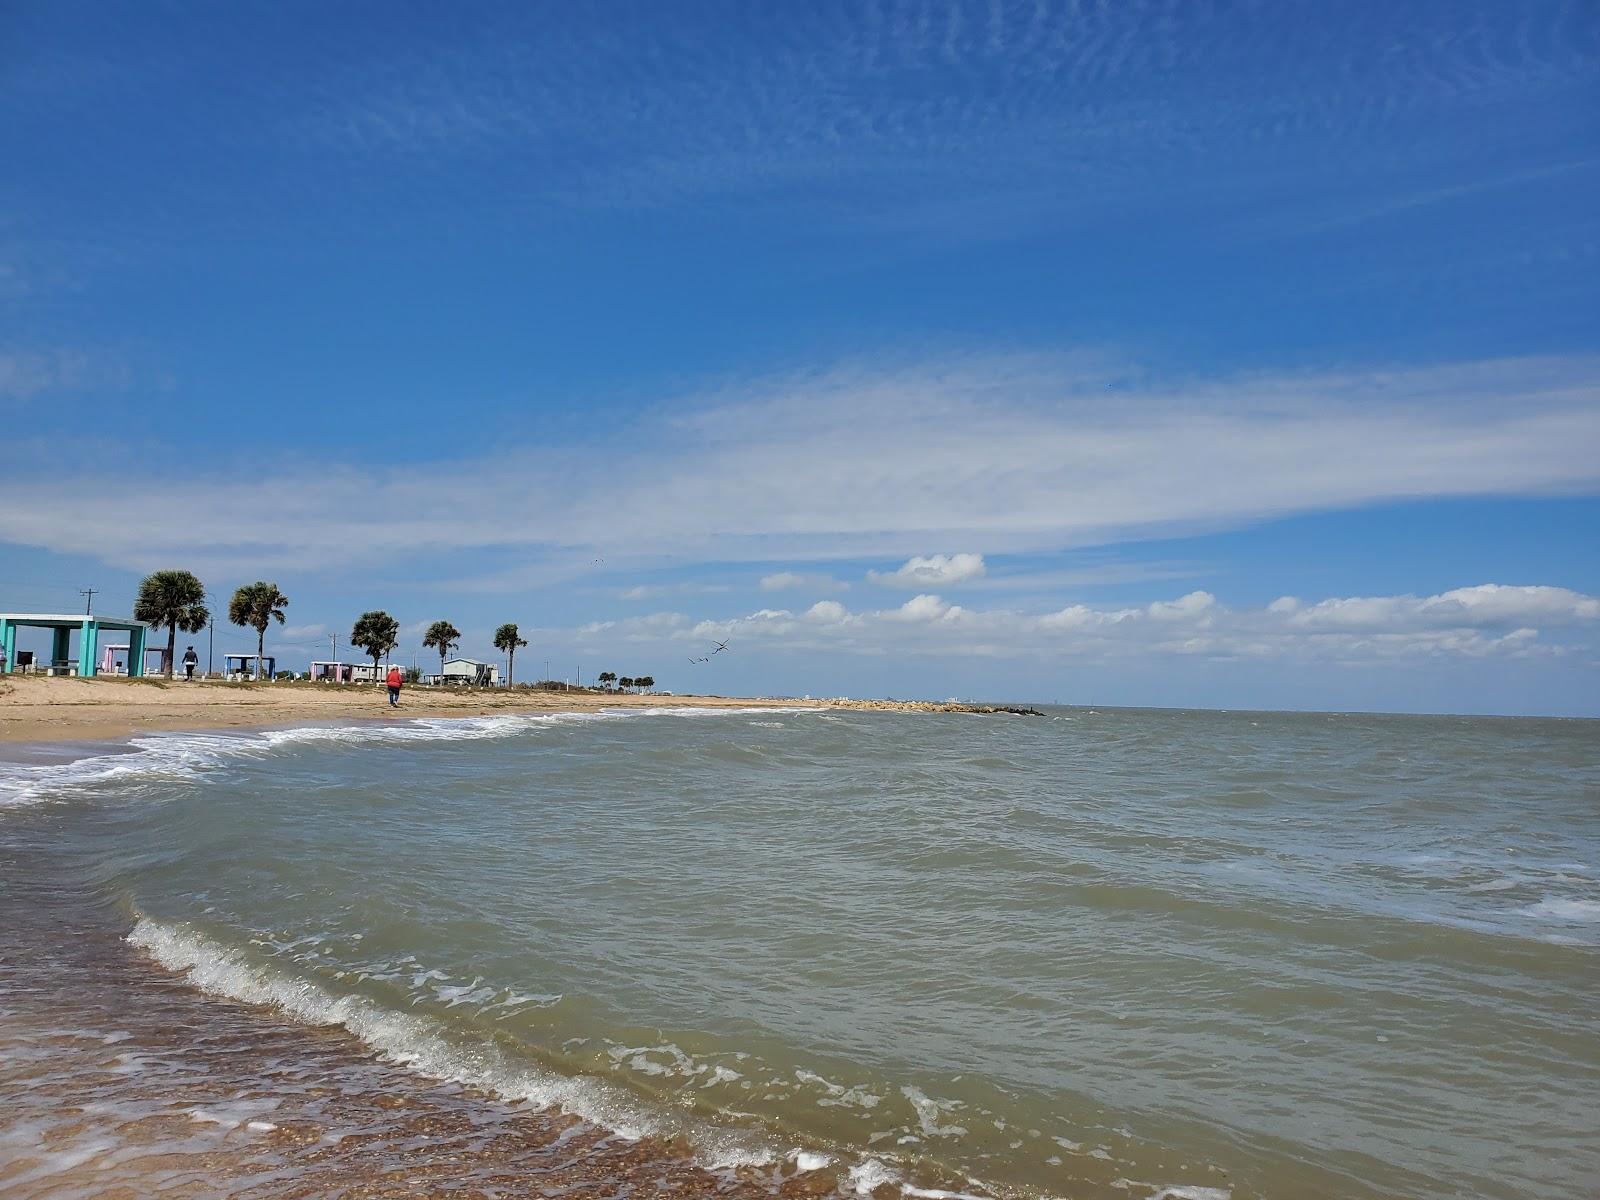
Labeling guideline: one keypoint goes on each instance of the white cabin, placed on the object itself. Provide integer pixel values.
(469, 671)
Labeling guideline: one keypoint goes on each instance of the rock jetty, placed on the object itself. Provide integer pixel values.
(943, 706)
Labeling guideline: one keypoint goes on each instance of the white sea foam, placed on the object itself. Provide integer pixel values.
(1554, 908)
(869, 1174)
(183, 757)
(839, 1096)
(928, 1112)
(422, 1044)
(232, 1116)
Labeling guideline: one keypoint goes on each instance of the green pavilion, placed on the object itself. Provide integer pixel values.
(88, 627)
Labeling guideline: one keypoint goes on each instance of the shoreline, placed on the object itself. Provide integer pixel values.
(37, 710)
(265, 1094)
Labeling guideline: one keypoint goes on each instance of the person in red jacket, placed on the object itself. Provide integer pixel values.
(394, 681)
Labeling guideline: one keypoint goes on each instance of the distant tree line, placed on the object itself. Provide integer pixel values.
(627, 683)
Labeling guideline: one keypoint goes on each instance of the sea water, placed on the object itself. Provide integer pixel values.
(1095, 953)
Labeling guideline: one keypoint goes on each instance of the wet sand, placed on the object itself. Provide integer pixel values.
(119, 1080)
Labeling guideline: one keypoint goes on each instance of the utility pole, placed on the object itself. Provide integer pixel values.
(88, 606)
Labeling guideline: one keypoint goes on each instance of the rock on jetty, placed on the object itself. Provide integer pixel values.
(945, 706)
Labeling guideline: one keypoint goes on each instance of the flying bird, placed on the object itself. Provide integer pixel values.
(721, 646)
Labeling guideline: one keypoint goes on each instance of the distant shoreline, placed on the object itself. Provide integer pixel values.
(34, 709)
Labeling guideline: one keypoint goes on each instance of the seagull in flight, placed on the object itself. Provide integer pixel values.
(721, 646)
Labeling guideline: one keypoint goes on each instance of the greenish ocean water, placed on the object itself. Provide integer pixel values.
(1102, 952)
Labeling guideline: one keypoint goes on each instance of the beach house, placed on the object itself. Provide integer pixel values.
(468, 672)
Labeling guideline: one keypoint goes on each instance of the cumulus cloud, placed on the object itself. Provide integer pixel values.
(1483, 606)
(922, 608)
(1192, 607)
(1474, 622)
(828, 612)
(933, 570)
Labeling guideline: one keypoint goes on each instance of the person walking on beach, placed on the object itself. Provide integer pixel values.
(395, 680)
(191, 660)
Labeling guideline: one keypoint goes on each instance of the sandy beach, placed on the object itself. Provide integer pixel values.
(41, 709)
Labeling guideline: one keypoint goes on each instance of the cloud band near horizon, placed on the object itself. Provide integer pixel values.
(1006, 455)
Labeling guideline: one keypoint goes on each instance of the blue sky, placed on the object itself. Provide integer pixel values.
(1191, 354)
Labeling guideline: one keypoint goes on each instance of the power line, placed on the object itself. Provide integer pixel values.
(88, 606)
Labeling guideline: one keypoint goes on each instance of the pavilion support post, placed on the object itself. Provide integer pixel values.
(136, 639)
(60, 645)
(8, 643)
(88, 646)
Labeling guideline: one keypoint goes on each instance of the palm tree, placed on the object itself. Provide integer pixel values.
(647, 682)
(607, 678)
(506, 639)
(375, 632)
(257, 605)
(625, 682)
(444, 637)
(175, 599)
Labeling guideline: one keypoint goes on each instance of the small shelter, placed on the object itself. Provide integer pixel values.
(249, 666)
(114, 658)
(328, 671)
(61, 626)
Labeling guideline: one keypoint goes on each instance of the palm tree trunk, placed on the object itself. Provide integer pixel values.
(261, 645)
(172, 648)
(511, 665)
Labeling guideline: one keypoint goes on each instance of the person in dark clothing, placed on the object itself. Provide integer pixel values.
(191, 660)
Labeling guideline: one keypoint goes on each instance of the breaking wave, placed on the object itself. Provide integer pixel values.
(429, 1048)
(168, 757)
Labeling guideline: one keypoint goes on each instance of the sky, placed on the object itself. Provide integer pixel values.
(1238, 355)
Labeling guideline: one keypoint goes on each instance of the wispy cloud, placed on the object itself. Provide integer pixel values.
(1044, 111)
(1088, 575)
(1005, 455)
(299, 633)
(802, 581)
(655, 591)
(26, 374)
